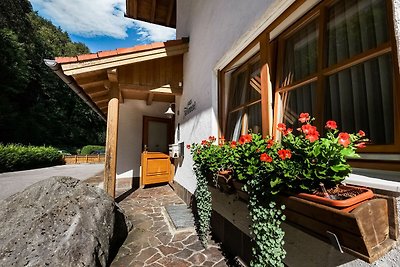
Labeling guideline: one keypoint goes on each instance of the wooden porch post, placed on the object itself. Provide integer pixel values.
(110, 169)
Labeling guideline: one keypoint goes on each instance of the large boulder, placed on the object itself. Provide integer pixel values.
(60, 221)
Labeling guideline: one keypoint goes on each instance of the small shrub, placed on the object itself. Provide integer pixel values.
(89, 149)
(15, 157)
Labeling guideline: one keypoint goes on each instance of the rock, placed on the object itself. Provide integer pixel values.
(60, 221)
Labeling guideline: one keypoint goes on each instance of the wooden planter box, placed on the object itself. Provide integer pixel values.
(368, 232)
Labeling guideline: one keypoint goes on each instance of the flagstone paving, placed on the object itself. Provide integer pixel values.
(153, 241)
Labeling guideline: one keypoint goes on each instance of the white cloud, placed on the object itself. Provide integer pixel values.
(90, 18)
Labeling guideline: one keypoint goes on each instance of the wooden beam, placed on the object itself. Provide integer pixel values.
(97, 83)
(165, 89)
(95, 90)
(100, 98)
(153, 11)
(150, 97)
(170, 12)
(135, 8)
(110, 168)
(112, 75)
(99, 102)
(121, 60)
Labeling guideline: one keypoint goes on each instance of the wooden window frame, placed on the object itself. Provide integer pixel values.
(319, 77)
(271, 73)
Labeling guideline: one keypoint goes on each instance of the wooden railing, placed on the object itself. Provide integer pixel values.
(78, 159)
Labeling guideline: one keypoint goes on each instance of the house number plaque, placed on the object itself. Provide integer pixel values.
(190, 107)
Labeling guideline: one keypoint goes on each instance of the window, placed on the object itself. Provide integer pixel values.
(244, 100)
(338, 62)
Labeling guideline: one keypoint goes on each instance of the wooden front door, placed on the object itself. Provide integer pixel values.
(155, 161)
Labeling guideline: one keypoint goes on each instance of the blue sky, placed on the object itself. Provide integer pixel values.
(100, 24)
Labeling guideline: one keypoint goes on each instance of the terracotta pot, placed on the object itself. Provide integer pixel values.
(224, 179)
(347, 204)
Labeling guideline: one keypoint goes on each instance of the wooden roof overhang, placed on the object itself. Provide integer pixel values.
(151, 72)
(161, 12)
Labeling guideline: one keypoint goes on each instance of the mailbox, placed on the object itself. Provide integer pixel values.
(176, 150)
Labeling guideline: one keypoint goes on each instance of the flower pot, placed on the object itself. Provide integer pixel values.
(341, 197)
(224, 179)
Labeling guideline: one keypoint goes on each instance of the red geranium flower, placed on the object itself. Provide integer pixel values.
(285, 154)
(233, 144)
(361, 133)
(265, 157)
(344, 139)
(188, 146)
(270, 143)
(360, 145)
(211, 138)
(281, 127)
(331, 125)
(309, 129)
(313, 137)
(245, 139)
(204, 142)
(287, 131)
(304, 117)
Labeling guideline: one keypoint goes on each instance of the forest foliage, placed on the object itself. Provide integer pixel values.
(36, 107)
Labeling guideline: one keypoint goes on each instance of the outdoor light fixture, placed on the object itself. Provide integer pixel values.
(169, 111)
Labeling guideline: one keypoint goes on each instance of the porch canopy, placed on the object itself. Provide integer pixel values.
(161, 12)
(151, 72)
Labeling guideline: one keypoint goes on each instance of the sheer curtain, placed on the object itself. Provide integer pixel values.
(244, 105)
(360, 97)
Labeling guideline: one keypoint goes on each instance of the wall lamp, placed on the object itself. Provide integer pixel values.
(169, 111)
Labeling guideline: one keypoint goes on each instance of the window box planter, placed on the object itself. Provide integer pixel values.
(365, 226)
(368, 231)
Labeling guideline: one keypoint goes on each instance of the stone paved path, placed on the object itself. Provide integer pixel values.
(152, 241)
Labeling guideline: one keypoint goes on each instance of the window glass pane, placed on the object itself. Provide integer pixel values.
(237, 94)
(254, 118)
(234, 126)
(361, 97)
(296, 101)
(355, 26)
(300, 58)
(246, 86)
(254, 86)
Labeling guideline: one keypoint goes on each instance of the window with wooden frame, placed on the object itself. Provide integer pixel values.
(244, 100)
(339, 62)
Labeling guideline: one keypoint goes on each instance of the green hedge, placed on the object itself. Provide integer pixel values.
(87, 150)
(14, 157)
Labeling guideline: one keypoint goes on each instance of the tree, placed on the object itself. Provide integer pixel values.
(36, 107)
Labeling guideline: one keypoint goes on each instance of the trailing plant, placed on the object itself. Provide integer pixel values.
(297, 162)
(266, 216)
(204, 165)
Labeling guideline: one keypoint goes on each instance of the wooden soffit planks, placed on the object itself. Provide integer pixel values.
(75, 68)
(161, 12)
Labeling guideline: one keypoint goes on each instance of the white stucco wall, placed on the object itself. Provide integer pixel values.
(218, 30)
(213, 27)
(130, 134)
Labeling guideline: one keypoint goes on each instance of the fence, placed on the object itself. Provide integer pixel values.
(77, 159)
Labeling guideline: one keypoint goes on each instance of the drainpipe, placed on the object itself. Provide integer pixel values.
(54, 66)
